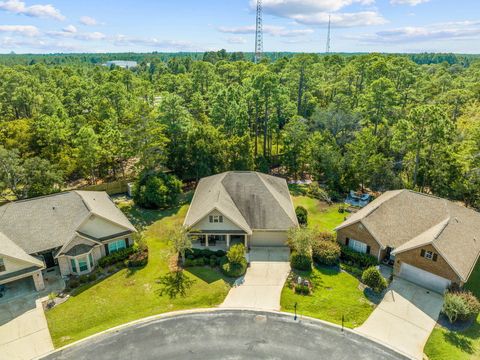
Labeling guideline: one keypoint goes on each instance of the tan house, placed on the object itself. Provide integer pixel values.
(430, 241)
(71, 230)
(241, 206)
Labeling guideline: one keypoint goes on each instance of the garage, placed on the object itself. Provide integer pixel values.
(268, 238)
(424, 278)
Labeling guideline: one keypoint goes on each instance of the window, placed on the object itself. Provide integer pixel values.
(216, 218)
(74, 265)
(430, 255)
(357, 246)
(116, 245)
(2, 265)
(90, 259)
(82, 264)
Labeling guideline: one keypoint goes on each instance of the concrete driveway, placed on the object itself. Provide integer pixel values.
(227, 335)
(262, 285)
(24, 332)
(405, 318)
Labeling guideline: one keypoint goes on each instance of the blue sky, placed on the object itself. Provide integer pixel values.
(45, 26)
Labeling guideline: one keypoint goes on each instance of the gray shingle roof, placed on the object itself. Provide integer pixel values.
(79, 249)
(250, 199)
(49, 222)
(10, 249)
(404, 220)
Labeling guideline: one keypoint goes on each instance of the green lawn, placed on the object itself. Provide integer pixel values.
(458, 345)
(126, 296)
(335, 294)
(320, 215)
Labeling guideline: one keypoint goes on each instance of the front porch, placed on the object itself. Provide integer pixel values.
(217, 240)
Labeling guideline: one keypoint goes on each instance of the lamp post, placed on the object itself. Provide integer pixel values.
(295, 306)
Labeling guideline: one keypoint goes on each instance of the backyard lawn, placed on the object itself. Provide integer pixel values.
(320, 215)
(458, 345)
(127, 295)
(335, 294)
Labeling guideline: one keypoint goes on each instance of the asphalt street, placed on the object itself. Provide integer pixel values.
(227, 334)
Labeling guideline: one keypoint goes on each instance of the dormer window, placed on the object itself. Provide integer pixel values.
(216, 218)
(2, 265)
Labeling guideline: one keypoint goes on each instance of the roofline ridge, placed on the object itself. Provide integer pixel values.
(40, 197)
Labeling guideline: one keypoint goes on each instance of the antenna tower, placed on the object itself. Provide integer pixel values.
(259, 33)
(328, 35)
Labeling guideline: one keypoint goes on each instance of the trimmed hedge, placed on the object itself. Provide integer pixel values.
(353, 257)
(460, 306)
(302, 215)
(116, 257)
(300, 262)
(204, 253)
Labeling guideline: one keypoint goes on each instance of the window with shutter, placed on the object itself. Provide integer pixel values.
(435, 256)
(422, 253)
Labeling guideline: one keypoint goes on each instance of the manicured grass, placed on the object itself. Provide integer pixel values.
(445, 344)
(126, 295)
(320, 215)
(335, 294)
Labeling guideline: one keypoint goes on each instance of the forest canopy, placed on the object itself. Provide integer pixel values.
(358, 121)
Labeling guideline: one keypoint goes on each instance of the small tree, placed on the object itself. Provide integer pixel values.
(300, 240)
(302, 215)
(326, 252)
(157, 190)
(236, 254)
(180, 242)
(374, 279)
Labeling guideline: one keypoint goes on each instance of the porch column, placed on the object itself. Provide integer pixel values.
(245, 239)
(228, 241)
(38, 281)
(206, 240)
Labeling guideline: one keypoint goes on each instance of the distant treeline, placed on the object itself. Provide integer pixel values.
(211, 56)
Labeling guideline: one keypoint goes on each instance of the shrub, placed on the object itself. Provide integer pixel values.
(302, 215)
(353, 270)
(315, 191)
(137, 259)
(234, 269)
(300, 262)
(213, 261)
(236, 254)
(460, 306)
(300, 240)
(374, 279)
(83, 279)
(188, 262)
(302, 289)
(117, 256)
(156, 190)
(199, 262)
(92, 277)
(73, 283)
(326, 252)
(353, 257)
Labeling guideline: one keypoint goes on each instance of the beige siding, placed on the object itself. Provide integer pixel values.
(205, 223)
(268, 238)
(358, 232)
(98, 253)
(12, 265)
(98, 227)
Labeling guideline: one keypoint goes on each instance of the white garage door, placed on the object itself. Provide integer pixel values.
(268, 238)
(424, 278)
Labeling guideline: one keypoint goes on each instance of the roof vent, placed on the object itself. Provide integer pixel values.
(456, 219)
(53, 207)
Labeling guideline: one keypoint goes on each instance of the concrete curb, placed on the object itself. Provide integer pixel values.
(300, 318)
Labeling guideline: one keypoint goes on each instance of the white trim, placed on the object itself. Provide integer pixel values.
(249, 231)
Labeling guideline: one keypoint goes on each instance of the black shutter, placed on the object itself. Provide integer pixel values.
(106, 250)
(368, 249)
(435, 257)
(127, 242)
(347, 240)
(422, 253)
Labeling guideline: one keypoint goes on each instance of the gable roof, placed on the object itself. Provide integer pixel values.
(49, 222)
(252, 200)
(12, 250)
(405, 220)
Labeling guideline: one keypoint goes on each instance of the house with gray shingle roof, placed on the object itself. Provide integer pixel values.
(71, 230)
(241, 206)
(428, 240)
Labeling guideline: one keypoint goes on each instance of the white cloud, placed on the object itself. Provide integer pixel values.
(267, 29)
(70, 29)
(26, 30)
(77, 35)
(89, 21)
(173, 45)
(408, 2)
(433, 32)
(317, 12)
(19, 7)
(236, 40)
(287, 8)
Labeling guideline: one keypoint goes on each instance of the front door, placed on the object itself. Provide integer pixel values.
(49, 260)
